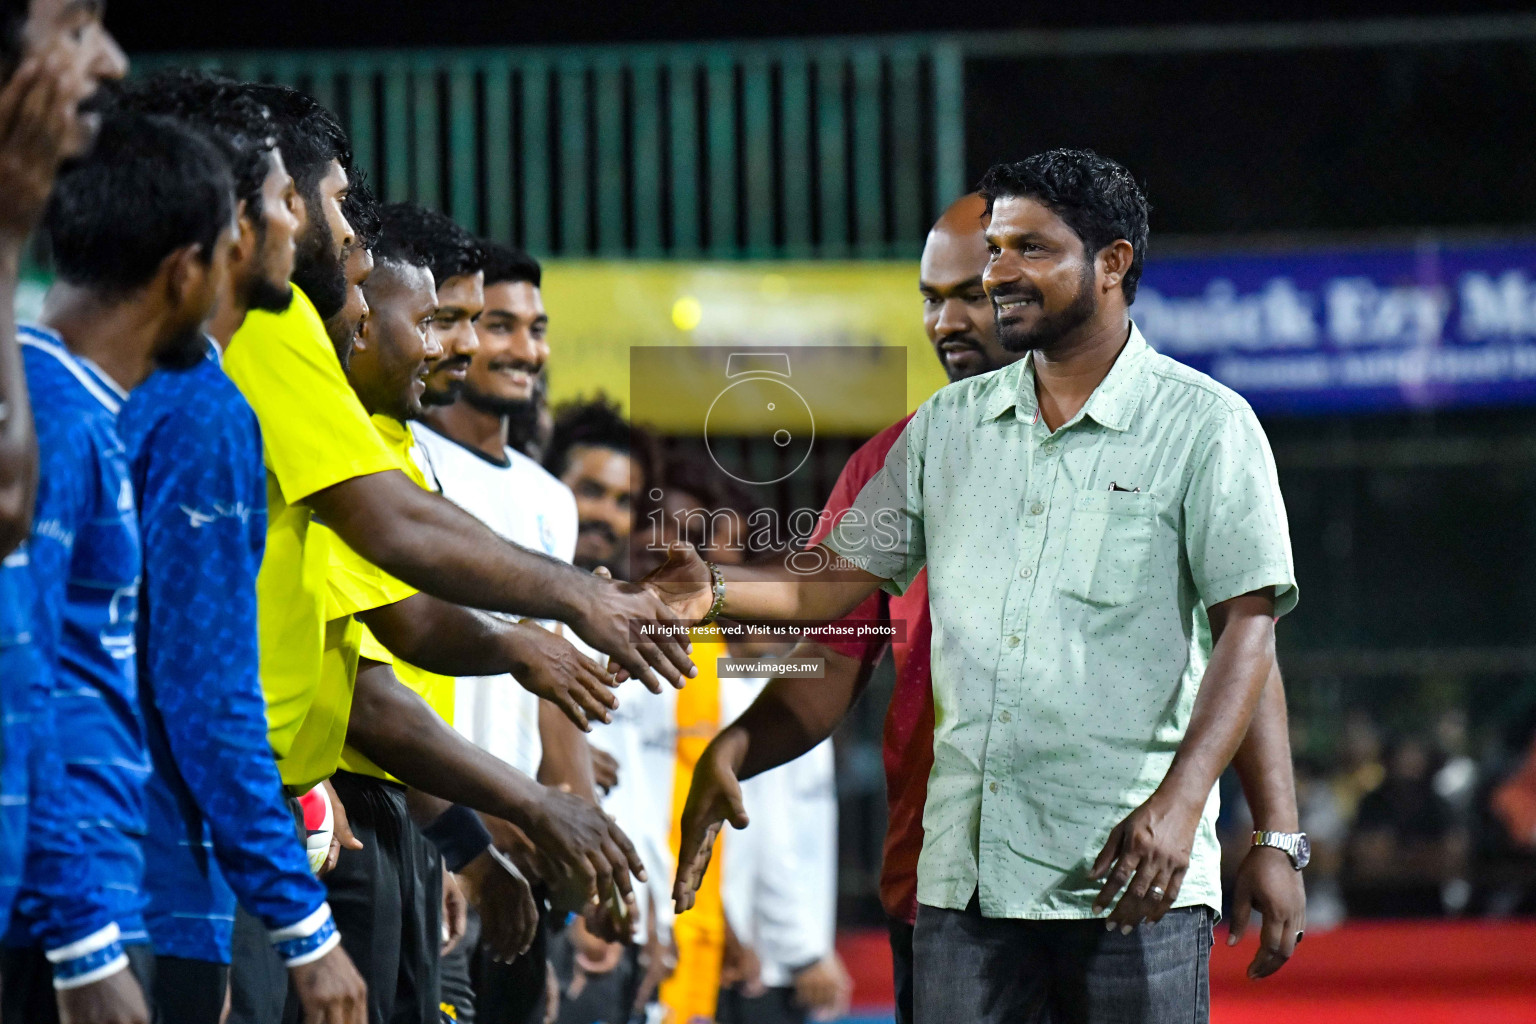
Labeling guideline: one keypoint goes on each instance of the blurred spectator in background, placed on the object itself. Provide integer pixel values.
(1514, 802)
(1407, 853)
(1509, 842)
(1456, 777)
(1322, 820)
(698, 504)
(606, 463)
(1360, 769)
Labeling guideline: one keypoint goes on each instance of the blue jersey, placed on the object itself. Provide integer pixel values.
(84, 554)
(23, 693)
(219, 826)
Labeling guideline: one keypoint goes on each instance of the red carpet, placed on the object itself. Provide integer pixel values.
(1419, 972)
(1400, 972)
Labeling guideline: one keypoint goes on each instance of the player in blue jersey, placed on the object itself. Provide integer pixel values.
(46, 70)
(218, 825)
(53, 56)
(140, 232)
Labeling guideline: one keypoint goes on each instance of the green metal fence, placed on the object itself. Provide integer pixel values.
(792, 148)
(774, 150)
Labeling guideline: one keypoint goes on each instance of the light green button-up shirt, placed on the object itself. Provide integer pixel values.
(1068, 577)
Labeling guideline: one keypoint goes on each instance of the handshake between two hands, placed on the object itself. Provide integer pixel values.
(613, 619)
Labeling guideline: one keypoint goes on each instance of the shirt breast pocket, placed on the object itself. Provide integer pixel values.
(1109, 546)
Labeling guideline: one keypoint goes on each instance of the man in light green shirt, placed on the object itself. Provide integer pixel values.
(1091, 518)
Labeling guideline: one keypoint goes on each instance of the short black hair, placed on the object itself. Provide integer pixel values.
(390, 245)
(220, 109)
(308, 134)
(598, 423)
(448, 249)
(503, 263)
(148, 187)
(361, 208)
(1096, 197)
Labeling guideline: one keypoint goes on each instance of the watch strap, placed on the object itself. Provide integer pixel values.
(717, 587)
(1288, 843)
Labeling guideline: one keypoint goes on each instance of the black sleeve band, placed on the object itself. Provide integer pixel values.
(459, 836)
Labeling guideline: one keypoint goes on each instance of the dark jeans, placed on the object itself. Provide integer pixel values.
(29, 996)
(599, 998)
(977, 970)
(901, 967)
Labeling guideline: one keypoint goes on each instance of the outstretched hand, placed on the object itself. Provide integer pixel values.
(714, 797)
(500, 891)
(342, 837)
(582, 850)
(683, 583)
(613, 624)
(557, 672)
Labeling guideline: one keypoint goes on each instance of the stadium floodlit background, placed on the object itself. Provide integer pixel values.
(1344, 229)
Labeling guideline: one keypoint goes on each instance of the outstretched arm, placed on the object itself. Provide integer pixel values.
(456, 641)
(810, 586)
(438, 548)
(398, 730)
(786, 720)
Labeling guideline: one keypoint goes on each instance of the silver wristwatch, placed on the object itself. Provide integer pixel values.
(1295, 845)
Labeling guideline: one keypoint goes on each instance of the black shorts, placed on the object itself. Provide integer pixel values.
(387, 902)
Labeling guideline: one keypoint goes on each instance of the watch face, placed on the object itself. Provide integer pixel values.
(1303, 851)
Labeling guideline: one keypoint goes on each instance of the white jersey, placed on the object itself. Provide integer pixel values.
(780, 881)
(522, 502)
(528, 506)
(642, 738)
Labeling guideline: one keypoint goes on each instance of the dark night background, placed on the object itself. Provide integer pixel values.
(1317, 141)
(145, 25)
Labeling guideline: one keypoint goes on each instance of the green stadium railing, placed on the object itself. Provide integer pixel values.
(812, 148)
(787, 149)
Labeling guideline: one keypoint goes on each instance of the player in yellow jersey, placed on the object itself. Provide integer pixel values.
(326, 462)
(385, 895)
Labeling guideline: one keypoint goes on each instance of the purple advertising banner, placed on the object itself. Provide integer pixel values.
(1340, 330)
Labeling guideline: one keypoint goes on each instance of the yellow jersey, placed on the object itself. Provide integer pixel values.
(315, 434)
(355, 583)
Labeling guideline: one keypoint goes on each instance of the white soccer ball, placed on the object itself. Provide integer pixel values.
(319, 826)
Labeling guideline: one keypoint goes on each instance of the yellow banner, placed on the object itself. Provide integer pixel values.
(600, 310)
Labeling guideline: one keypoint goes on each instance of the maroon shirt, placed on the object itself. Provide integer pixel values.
(908, 740)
